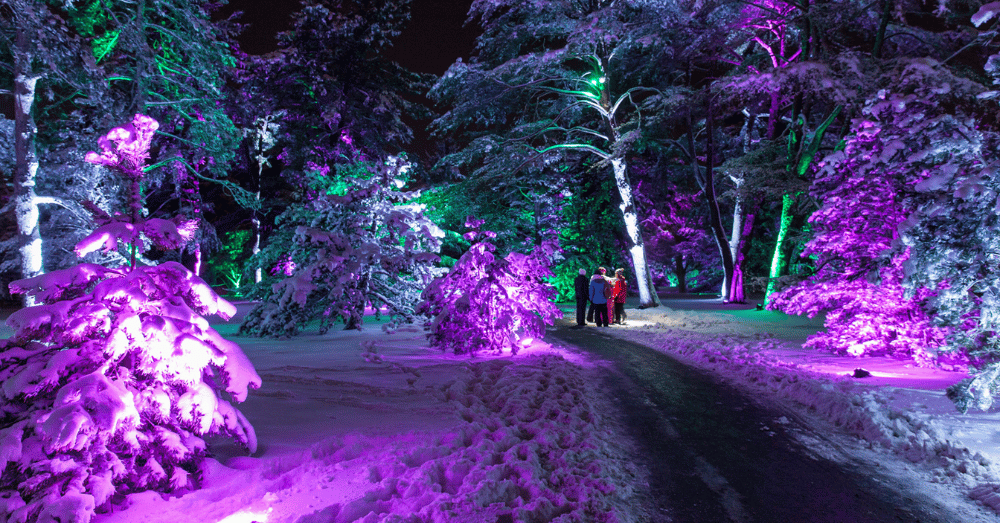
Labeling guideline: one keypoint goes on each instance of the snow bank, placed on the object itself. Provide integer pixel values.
(754, 359)
(525, 438)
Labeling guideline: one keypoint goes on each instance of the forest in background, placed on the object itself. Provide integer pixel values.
(833, 157)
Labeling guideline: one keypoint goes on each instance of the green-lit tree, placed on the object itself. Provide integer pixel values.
(169, 59)
(551, 82)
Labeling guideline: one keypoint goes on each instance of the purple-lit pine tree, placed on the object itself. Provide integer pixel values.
(486, 302)
(887, 227)
(110, 384)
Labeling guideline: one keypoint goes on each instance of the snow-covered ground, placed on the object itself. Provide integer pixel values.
(899, 412)
(376, 427)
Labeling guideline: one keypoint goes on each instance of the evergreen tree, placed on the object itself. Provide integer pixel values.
(331, 77)
(111, 383)
(901, 230)
(488, 302)
(168, 59)
(356, 244)
(43, 54)
(550, 81)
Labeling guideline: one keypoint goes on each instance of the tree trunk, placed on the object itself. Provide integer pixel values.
(681, 273)
(739, 214)
(636, 247)
(772, 115)
(707, 184)
(255, 221)
(736, 283)
(882, 25)
(187, 189)
(737, 292)
(26, 164)
(778, 260)
(258, 274)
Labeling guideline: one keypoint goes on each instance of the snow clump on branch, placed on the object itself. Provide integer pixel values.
(109, 385)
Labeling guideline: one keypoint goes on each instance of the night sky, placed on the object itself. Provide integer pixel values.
(435, 37)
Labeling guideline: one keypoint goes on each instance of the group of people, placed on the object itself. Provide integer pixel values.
(605, 295)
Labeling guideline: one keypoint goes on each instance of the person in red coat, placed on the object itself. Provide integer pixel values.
(618, 293)
(611, 299)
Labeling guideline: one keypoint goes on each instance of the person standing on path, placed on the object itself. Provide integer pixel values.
(590, 312)
(582, 286)
(610, 296)
(619, 292)
(599, 303)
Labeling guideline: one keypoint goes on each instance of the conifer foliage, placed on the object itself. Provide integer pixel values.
(109, 385)
(883, 246)
(355, 244)
(491, 303)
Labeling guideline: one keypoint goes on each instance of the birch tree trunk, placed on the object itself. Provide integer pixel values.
(255, 220)
(742, 221)
(26, 163)
(637, 247)
(736, 293)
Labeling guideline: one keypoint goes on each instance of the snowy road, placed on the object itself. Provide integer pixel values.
(716, 455)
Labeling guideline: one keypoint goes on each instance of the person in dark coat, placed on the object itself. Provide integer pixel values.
(598, 293)
(582, 286)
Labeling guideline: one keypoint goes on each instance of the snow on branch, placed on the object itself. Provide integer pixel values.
(341, 254)
(110, 384)
(491, 303)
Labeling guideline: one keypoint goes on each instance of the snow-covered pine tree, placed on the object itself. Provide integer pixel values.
(491, 303)
(355, 244)
(110, 383)
(960, 236)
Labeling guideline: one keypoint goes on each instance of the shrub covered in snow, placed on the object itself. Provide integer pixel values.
(110, 383)
(486, 302)
(355, 244)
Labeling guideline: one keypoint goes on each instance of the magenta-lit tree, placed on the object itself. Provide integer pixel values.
(110, 384)
(883, 215)
(676, 234)
(492, 303)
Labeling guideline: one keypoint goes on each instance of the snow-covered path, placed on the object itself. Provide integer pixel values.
(374, 427)
(897, 420)
(717, 454)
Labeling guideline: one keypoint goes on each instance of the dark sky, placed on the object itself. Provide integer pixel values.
(433, 39)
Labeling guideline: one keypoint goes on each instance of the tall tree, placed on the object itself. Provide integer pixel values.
(339, 90)
(114, 393)
(550, 81)
(168, 59)
(41, 50)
